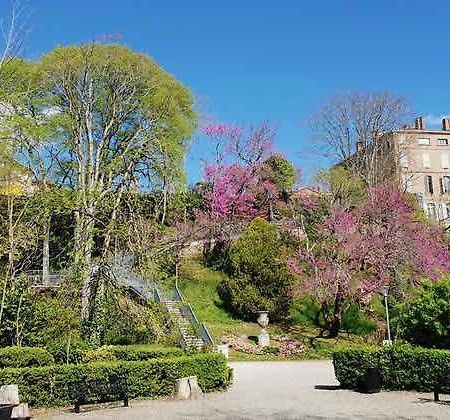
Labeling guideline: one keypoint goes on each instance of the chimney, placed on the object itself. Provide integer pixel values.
(359, 146)
(446, 124)
(419, 124)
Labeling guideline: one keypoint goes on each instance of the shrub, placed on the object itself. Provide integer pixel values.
(130, 353)
(19, 357)
(65, 351)
(355, 321)
(60, 385)
(425, 320)
(402, 367)
(259, 279)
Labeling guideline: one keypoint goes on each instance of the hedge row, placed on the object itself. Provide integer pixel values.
(130, 353)
(60, 385)
(24, 357)
(402, 367)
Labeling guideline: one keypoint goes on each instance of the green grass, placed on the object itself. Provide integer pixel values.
(199, 286)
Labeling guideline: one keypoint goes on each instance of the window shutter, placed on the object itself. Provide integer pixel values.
(444, 161)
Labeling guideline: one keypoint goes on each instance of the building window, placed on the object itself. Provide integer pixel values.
(447, 206)
(429, 184)
(444, 161)
(442, 142)
(445, 184)
(431, 210)
(407, 182)
(424, 142)
(419, 198)
(426, 160)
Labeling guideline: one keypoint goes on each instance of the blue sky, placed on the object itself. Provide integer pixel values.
(250, 61)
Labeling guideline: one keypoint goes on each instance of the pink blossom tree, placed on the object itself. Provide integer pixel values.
(236, 182)
(380, 242)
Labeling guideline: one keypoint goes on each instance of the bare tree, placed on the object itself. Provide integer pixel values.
(354, 129)
(12, 33)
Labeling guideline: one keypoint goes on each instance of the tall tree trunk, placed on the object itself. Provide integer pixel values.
(10, 268)
(46, 253)
(82, 259)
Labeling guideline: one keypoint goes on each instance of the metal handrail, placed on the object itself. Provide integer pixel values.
(200, 327)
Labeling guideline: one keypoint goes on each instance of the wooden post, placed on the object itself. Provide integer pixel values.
(436, 395)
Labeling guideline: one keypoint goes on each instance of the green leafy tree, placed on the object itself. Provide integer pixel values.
(344, 187)
(425, 320)
(282, 172)
(109, 120)
(259, 279)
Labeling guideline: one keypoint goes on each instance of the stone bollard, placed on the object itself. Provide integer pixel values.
(182, 389)
(223, 349)
(196, 392)
(21, 412)
(9, 394)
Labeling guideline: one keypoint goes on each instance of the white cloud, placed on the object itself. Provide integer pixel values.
(434, 121)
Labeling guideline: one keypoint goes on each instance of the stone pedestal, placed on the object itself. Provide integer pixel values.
(264, 339)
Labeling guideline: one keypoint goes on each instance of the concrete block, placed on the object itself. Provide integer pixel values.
(196, 392)
(9, 394)
(182, 389)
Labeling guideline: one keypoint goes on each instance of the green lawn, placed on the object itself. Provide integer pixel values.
(199, 286)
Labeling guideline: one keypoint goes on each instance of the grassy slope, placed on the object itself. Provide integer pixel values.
(199, 286)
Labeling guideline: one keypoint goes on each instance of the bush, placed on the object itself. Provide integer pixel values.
(65, 351)
(108, 381)
(402, 367)
(259, 278)
(19, 357)
(425, 320)
(130, 353)
(355, 321)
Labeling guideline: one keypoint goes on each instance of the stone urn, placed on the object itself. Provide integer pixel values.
(263, 322)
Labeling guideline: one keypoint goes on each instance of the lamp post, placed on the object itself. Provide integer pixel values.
(385, 291)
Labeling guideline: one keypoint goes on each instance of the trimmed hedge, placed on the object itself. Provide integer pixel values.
(130, 353)
(402, 367)
(19, 357)
(60, 385)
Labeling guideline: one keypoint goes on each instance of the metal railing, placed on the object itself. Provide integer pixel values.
(37, 279)
(199, 327)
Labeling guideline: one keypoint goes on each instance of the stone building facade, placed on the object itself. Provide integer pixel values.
(423, 166)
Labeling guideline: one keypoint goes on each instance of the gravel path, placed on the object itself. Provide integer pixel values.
(280, 390)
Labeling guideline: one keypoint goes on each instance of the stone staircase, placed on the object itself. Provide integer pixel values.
(194, 335)
(191, 341)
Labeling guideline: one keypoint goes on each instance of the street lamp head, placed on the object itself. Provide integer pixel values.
(384, 290)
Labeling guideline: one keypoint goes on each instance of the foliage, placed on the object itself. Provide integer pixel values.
(106, 381)
(345, 187)
(236, 187)
(307, 311)
(402, 367)
(19, 357)
(282, 172)
(68, 350)
(130, 322)
(130, 353)
(425, 319)
(259, 279)
(199, 283)
(380, 242)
